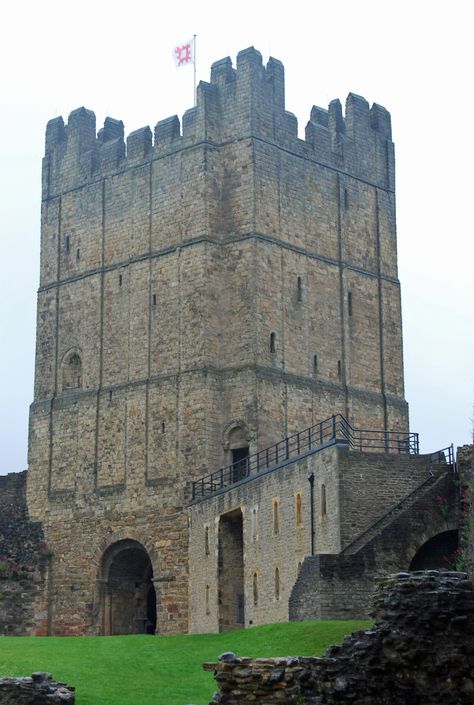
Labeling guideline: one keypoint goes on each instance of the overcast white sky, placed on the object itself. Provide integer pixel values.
(115, 58)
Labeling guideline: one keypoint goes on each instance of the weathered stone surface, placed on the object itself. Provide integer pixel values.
(210, 292)
(165, 273)
(24, 562)
(421, 650)
(39, 689)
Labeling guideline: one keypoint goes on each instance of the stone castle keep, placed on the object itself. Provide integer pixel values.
(206, 292)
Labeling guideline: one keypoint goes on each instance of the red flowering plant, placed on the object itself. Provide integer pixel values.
(443, 505)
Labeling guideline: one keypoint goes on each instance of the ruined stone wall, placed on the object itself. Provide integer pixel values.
(465, 467)
(419, 651)
(39, 688)
(23, 562)
(359, 488)
(169, 263)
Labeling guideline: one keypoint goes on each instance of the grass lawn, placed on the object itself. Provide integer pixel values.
(158, 670)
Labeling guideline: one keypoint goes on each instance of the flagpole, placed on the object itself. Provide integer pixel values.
(194, 63)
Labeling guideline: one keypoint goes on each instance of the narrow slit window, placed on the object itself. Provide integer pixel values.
(276, 517)
(153, 298)
(163, 427)
(206, 541)
(349, 303)
(339, 369)
(208, 601)
(254, 524)
(120, 280)
(299, 510)
(277, 584)
(323, 501)
(68, 244)
(272, 342)
(315, 364)
(299, 290)
(78, 254)
(346, 199)
(255, 589)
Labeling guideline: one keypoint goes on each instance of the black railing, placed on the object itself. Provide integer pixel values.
(445, 456)
(337, 427)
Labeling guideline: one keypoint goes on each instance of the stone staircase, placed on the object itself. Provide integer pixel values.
(395, 511)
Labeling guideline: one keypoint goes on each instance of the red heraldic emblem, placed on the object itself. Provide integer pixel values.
(184, 53)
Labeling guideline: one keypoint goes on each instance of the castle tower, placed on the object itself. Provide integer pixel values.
(204, 291)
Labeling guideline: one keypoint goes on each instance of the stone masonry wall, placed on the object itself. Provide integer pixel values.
(373, 481)
(77, 580)
(24, 562)
(217, 272)
(340, 586)
(421, 650)
(465, 464)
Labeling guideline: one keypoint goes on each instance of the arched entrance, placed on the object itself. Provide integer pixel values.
(129, 598)
(236, 446)
(439, 552)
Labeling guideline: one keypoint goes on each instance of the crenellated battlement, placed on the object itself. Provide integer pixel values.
(241, 102)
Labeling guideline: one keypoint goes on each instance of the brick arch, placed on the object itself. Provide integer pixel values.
(235, 425)
(121, 603)
(122, 535)
(437, 552)
(436, 527)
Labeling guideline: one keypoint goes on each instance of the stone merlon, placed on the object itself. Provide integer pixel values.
(248, 100)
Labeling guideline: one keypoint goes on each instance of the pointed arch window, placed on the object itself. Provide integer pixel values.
(72, 371)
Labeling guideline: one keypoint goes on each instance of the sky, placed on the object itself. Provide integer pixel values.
(116, 59)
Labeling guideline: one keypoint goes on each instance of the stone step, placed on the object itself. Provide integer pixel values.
(395, 511)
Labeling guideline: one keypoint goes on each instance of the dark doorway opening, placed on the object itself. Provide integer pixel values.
(231, 572)
(129, 597)
(437, 553)
(239, 463)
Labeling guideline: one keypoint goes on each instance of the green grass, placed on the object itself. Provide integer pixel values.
(166, 670)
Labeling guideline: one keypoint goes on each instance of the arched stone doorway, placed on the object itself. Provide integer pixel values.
(237, 449)
(128, 593)
(438, 553)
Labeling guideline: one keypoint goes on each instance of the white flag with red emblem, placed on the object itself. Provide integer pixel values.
(184, 53)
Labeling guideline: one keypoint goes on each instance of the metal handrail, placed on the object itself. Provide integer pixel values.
(445, 456)
(332, 428)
